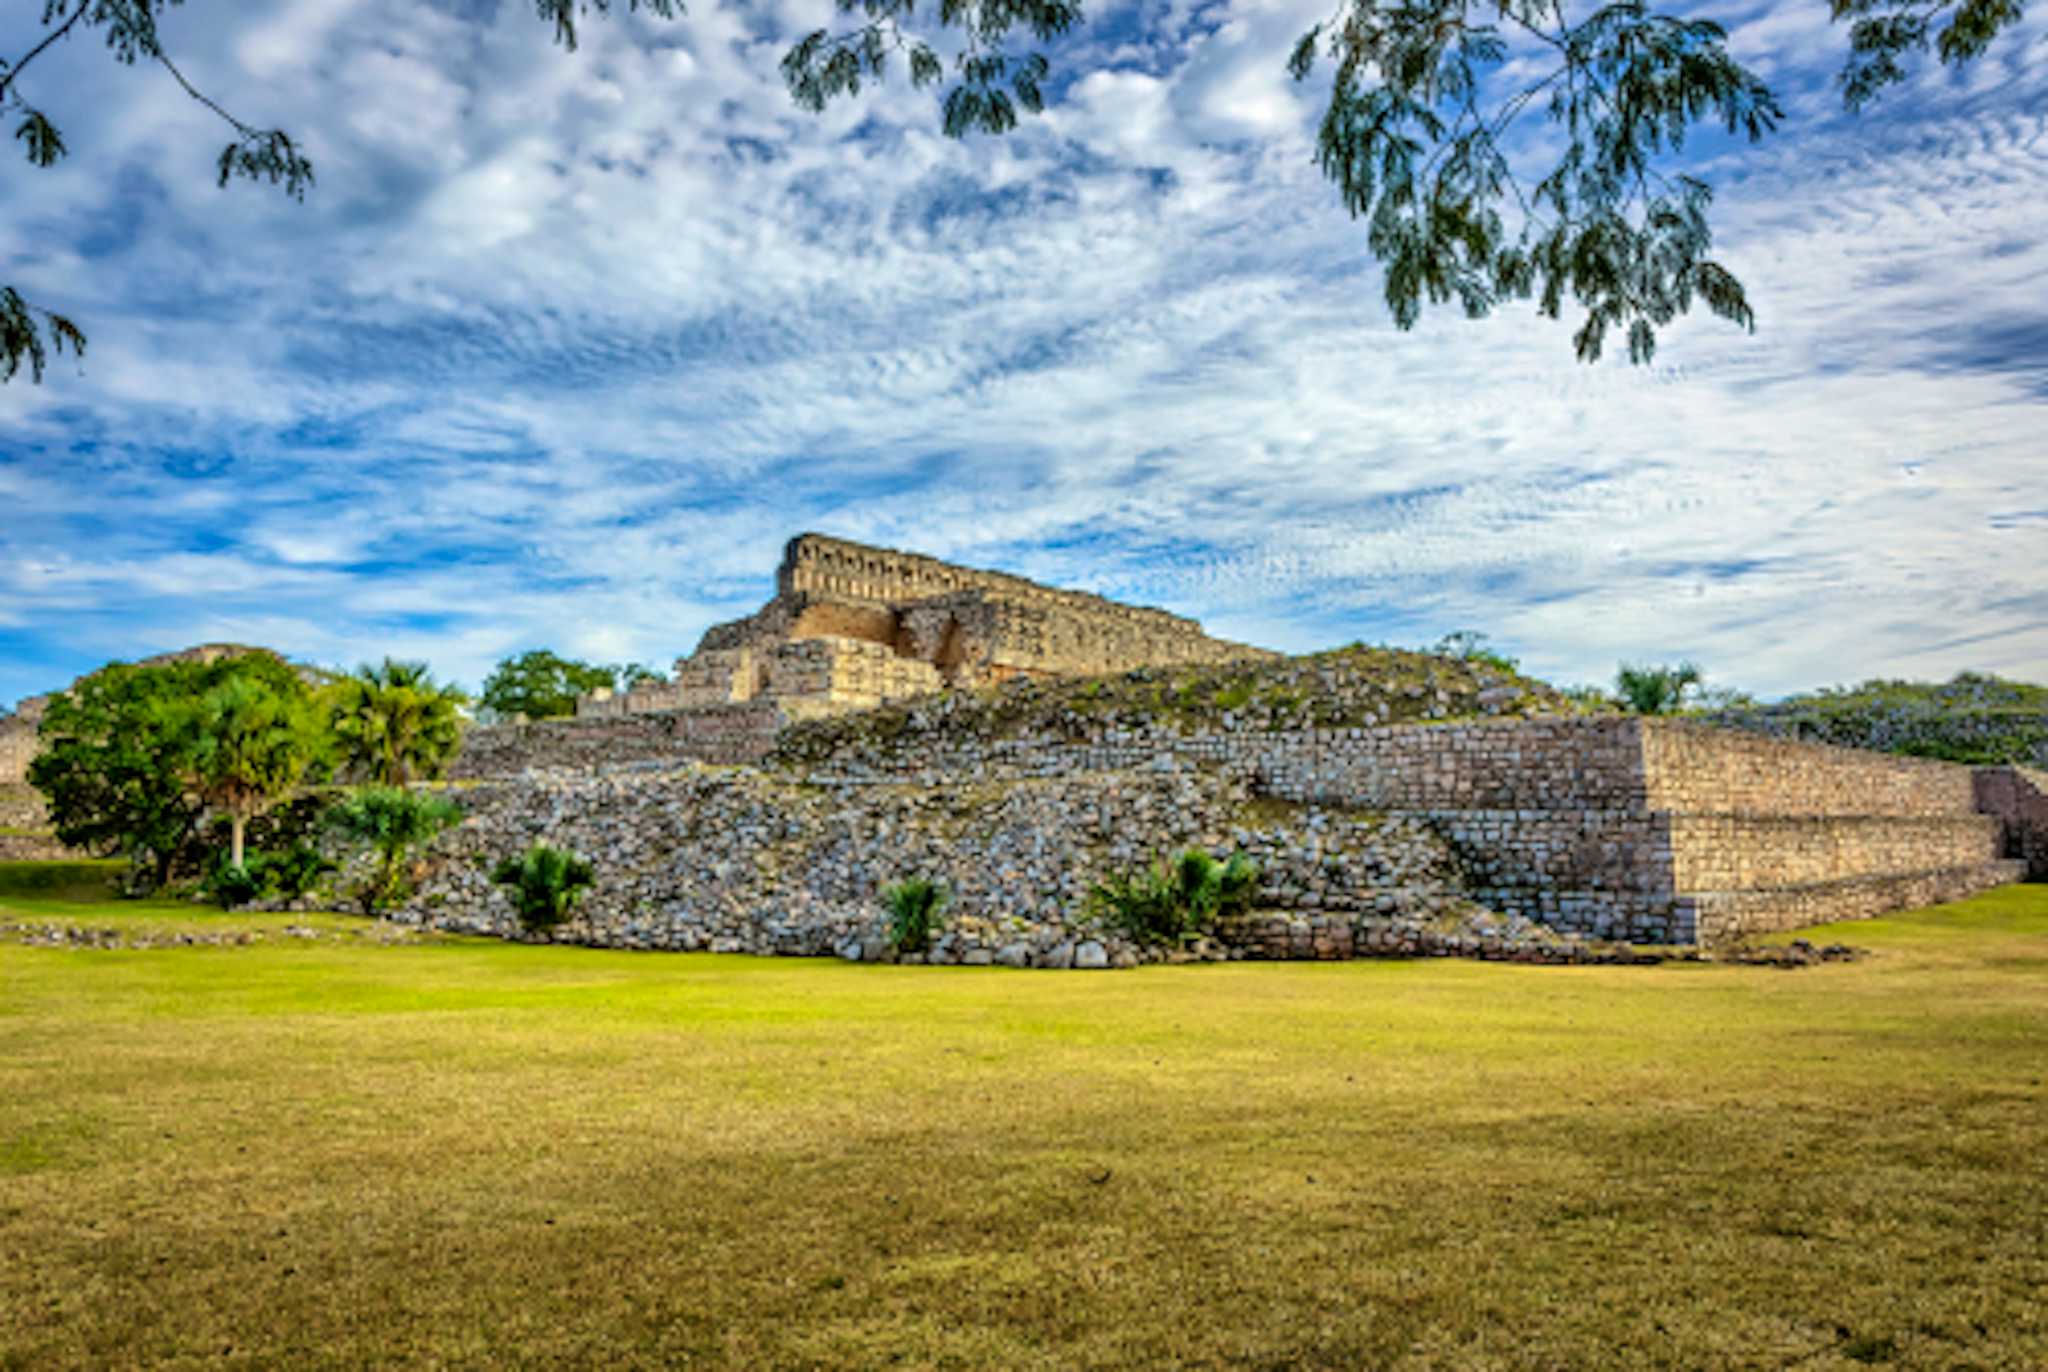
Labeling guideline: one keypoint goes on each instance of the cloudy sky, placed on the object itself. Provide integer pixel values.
(562, 347)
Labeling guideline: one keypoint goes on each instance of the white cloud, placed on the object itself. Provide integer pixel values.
(562, 347)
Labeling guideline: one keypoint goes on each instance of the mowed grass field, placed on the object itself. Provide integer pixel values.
(472, 1154)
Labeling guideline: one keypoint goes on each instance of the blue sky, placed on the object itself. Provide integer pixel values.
(562, 348)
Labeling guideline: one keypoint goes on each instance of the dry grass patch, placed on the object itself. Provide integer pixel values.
(479, 1154)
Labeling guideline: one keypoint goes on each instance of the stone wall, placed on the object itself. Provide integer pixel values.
(17, 746)
(2019, 797)
(741, 861)
(1611, 827)
(646, 698)
(1601, 827)
(1693, 767)
(732, 734)
(25, 833)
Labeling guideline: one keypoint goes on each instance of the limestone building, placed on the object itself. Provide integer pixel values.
(853, 626)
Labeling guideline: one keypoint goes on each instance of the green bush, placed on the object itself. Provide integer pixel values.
(546, 883)
(231, 883)
(392, 822)
(1177, 899)
(293, 871)
(280, 875)
(914, 907)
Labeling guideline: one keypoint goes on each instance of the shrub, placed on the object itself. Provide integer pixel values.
(231, 883)
(1656, 690)
(1177, 899)
(286, 874)
(1467, 645)
(914, 907)
(392, 822)
(291, 872)
(546, 883)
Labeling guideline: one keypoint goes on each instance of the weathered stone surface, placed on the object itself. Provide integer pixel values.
(852, 626)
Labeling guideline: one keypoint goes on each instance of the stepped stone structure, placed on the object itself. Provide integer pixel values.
(1593, 829)
(853, 626)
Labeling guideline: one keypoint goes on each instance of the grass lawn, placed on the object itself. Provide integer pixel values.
(335, 1153)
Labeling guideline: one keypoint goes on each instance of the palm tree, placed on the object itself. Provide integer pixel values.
(393, 822)
(1656, 690)
(246, 743)
(395, 723)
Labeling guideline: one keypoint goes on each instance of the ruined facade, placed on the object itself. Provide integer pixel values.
(1546, 835)
(853, 626)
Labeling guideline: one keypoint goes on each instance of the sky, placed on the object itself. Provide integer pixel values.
(561, 348)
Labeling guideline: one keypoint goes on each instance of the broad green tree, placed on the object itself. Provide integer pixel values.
(1423, 133)
(245, 744)
(393, 723)
(542, 684)
(112, 763)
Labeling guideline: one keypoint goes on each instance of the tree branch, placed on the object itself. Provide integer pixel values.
(7, 78)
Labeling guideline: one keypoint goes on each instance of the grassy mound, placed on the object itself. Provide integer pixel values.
(1344, 687)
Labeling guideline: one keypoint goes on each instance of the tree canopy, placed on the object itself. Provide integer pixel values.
(393, 722)
(244, 743)
(542, 684)
(1422, 134)
(132, 759)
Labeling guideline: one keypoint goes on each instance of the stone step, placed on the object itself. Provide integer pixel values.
(1716, 916)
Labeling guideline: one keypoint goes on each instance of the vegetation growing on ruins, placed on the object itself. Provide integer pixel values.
(391, 823)
(231, 1154)
(1344, 687)
(1650, 690)
(1175, 899)
(915, 906)
(542, 684)
(547, 883)
(1975, 718)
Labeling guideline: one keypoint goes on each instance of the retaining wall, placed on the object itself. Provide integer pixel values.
(1609, 827)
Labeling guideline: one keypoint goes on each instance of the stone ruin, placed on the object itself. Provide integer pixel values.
(853, 626)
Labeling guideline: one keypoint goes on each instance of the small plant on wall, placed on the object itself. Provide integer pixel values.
(547, 883)
(1176, 899)
(391, 821)
(914, 907)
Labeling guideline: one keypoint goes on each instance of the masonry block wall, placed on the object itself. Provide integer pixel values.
(1647, 830)
(726, 735)
(2019, 797)
(17, 749)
